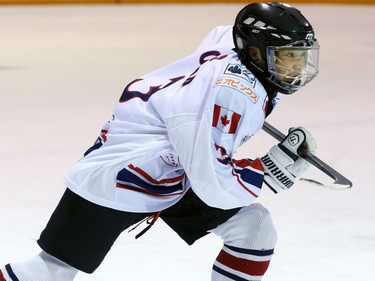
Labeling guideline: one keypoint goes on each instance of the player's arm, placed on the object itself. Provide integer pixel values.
(214, 177)
(205, 150)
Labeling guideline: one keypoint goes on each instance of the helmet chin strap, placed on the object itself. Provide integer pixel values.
(278, 86)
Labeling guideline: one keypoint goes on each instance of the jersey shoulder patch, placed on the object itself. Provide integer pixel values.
(240, 79)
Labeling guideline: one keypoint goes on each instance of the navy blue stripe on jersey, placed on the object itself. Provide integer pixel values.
(11, 273)
(250, 177)
(97, 145)
(126, 178)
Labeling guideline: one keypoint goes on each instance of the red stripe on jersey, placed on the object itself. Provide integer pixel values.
(234, 123)
(154, 181)
(216, 115)
(254, 268)
(103, 135)
(256, 164)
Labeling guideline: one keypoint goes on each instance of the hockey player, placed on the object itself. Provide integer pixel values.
(167, 152)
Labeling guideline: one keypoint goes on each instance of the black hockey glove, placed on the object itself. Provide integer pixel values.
(282, 164)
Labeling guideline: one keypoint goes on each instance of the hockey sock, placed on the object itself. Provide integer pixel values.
(42, 267)
(2, 278)
(249, 239)
(240, 264)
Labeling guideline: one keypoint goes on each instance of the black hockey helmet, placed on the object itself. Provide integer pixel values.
(277, 43)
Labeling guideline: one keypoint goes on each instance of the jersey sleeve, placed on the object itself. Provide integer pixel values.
(220, 35)
(206, 145)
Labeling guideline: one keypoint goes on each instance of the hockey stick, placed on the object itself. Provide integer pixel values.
(340, 182)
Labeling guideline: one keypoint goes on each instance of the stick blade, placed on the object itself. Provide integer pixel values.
(335, 185)
(340, 182)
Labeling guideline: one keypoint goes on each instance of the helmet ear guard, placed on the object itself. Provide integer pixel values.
(255, 55)
(262, 28)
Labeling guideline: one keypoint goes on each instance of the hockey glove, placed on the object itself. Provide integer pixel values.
(282, 164)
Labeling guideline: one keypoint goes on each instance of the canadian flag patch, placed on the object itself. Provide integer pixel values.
(225, 120)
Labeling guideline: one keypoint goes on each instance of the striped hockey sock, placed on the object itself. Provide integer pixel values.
(8, 272)
(240, 264)
(249, 241)
(42, 267)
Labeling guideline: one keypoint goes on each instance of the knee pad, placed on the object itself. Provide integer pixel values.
(250, 228)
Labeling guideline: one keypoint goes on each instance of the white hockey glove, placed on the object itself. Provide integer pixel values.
(282, 164)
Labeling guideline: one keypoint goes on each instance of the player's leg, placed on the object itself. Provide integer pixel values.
(249, 240)
(42, 267)
(78, 236)
(192, 219)
(248, 233)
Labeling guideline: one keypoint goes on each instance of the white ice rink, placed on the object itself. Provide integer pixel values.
(62, 68)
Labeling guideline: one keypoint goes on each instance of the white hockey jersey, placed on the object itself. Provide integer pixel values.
(178, 128)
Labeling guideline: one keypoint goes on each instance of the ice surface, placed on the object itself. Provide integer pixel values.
(63, 67)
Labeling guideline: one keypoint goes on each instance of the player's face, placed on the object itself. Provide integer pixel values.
(290, 63)
(292, 66)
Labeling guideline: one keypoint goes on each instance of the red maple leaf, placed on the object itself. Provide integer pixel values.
(224, 120)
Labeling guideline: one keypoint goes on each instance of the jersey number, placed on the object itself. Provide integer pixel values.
(130, 94)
